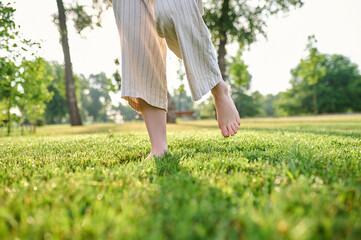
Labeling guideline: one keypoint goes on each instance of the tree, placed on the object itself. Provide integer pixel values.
(338, 91)
(35, 79)
(74, 116)
(12, 46)
(171, 114)
(96, 100)
(127, 112)
(207, 109)
(269, 105)
(8, 87)
(247, 103)
(311, 69)
(56, 109)
(241, 21)
(2, 112)
(238, 72)
(82, 19)
(183, 102)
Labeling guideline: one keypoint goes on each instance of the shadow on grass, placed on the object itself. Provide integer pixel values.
(167, 165)
(189, 202)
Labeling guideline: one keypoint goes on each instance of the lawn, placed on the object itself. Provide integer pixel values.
(278, 178)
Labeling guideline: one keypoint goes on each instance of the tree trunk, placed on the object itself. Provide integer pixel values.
(222, 52)
(171, 114)
(74, 115)
(34, 122)
(315, 108)
(9, 115)
(22, 122)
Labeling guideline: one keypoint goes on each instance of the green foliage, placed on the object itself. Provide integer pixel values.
(183, 102)
(84, 16)
(7, 25)
(12, 44)
(8, 31)
(311, 69)
(35, 80)
(3, 116)
(127, 112)
(241, 20)
(238, 72)
(117, 78)
(247, 103)
(269, 105)
(181, 70)
(339, 90)
(8, 71)
(294, 178)
(94, 96)
(56, 108)
(12, 47)
(8, 90)
(207, 109)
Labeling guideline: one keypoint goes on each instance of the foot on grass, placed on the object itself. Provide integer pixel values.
(227, 114)
(156, 154)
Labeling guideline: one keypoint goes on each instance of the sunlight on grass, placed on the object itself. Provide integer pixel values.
(292, 178)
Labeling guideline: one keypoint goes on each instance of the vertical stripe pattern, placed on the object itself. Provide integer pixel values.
(146, 27)
(143, 54)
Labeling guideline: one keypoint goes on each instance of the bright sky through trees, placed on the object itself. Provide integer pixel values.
(335, 23)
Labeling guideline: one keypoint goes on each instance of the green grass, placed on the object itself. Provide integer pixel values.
(286, 178)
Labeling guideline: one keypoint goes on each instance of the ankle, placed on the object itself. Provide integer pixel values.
(159, 151)
(220, 89)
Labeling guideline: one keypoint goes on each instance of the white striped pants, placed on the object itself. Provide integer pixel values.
(146, 27)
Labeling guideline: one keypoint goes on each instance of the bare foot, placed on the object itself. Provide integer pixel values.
(227, 114)
(156, 154)
(156, 123)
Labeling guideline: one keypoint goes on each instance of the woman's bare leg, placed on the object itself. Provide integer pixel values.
(156, 123)
(227, 114)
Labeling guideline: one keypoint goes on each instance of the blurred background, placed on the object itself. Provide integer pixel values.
(60, 61)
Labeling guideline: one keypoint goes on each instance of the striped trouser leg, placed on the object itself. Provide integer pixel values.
(143, 54)
(180, 23)
(145, 26)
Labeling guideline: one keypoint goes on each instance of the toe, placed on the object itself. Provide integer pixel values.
(236, 126)
(238, 120)
(235, 129)
(224, 131)
(230, 130)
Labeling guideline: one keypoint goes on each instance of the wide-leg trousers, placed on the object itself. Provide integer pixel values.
(146, 28)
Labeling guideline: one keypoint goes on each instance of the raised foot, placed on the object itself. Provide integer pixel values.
(227, 114)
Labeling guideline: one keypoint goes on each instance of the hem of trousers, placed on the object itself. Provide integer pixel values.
(136, 106)
(207, 89)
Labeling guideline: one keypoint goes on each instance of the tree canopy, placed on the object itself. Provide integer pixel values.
(12, 47)
(338, 90)
(242, 21)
